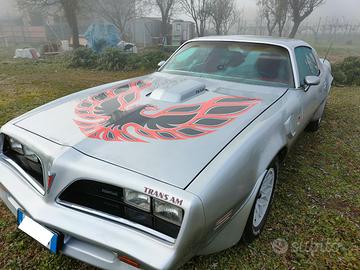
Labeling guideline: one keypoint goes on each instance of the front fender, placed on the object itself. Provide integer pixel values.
(227, 185)
(235, 226)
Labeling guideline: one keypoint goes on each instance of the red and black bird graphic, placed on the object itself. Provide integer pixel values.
(113, 115)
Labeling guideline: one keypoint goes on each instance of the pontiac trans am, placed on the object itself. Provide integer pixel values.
(151, 171)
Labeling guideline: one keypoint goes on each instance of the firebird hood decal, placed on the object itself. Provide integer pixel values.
(120, 123)
(110, 115)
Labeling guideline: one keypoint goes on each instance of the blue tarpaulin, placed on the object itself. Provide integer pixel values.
(102, 35)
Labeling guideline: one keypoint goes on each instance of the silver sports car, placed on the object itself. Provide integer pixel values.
(151, 171)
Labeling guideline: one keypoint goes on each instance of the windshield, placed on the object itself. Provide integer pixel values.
(251, 63)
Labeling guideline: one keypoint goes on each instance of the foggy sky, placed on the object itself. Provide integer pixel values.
(347, 9)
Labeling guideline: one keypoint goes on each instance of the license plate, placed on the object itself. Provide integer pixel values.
(43, 235)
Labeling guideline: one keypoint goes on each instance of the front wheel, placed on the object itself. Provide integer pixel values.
(261, 206)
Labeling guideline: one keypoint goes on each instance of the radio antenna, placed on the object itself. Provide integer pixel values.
(328, 51)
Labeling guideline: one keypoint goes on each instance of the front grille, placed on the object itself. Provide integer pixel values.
(109, 199)
(32, 166)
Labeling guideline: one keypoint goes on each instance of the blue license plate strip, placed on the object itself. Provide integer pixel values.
(45, 236)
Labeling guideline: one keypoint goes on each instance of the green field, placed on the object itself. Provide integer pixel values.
(317, 203)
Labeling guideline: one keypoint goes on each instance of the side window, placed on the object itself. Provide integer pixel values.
(307, 63)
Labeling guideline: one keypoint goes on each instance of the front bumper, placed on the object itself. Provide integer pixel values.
(95, 240)
(76, 248)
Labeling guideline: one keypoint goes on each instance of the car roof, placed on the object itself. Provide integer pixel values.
(285, 42)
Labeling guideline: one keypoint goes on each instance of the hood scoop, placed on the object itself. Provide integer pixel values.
(179, 92)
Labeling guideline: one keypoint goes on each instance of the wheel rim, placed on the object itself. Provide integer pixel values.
(264, 197)
(319, 121)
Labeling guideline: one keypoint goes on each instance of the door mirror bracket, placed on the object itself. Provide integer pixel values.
(161, 63)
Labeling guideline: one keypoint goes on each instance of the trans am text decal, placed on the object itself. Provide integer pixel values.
(113, 115)
(163, 196)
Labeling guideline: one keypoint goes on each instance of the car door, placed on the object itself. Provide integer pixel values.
(311, 96)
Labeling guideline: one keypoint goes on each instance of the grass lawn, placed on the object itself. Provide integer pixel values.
(317, 203)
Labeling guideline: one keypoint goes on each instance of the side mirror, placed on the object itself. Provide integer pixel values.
(161, 63)
(312, 80)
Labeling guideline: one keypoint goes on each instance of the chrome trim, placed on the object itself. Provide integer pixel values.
(29, 179)
(119, 220)
(223, 219)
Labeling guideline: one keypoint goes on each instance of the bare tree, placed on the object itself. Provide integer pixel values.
(282, 14)
(223, 14)
(300, 10)
(267, 11)
(199, 11)
(240, 22)
(166, 8)
(229, 22)
(69, 7)
(275, 13)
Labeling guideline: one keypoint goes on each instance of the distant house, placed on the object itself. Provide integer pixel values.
(182, 31)
(32, 26)
(146, 31)
(20, 26)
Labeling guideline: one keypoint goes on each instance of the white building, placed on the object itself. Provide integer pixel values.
(146, 31)
(182, 31)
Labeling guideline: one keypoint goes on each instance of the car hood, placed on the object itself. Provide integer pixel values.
(164, 126)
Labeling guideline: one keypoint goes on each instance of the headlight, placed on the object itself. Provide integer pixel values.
(30, 155)
(168, 212)
(137, 199)
(23, 150)
(16, 146)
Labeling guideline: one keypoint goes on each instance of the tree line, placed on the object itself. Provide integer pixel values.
(279, 12)
(217, 15)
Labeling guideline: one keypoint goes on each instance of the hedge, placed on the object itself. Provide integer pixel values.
(113, 59)
(347, 72)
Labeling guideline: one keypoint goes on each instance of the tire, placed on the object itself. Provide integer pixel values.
(264, 197)
(314, 125)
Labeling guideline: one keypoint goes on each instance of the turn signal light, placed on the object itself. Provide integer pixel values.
(50, 181)
(129, 261)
